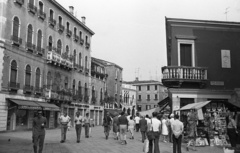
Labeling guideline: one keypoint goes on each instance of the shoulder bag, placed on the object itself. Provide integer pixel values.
(150, 134)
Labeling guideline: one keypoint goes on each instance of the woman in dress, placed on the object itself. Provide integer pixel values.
(192, 129)
(232, 130)
(164, 128)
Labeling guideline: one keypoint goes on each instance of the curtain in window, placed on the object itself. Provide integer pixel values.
(29, 34)
(15, 27)
(49, 80)
(13, 76)
(37, 81)
(80, 59)
(28, 76)
(39, 39)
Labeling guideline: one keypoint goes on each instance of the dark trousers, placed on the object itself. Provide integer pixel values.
(78, 128)
(106, 130)
(232, 136)
(170, 135)
(177, 142)
(137, 127)
(143, 135)
(63, 132)
(38, 140)
(155, 142)
(86, 125)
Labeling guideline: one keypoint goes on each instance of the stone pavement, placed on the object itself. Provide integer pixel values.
(21, 142)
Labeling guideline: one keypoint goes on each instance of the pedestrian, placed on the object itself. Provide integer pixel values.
(170, 130)
(143, 127)
(78, 125)
(87, 125)
(131, 125)
(192, 129)
(64, 119)
(39, 124)
(115, 126)
(164, 128)
(232, 131)
(137, 119)
(90, 127)
(148, 119)
(155, 126)
(177, 129)
(123, 125)
(107, 121)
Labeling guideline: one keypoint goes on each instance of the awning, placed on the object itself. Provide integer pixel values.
(48, 106)
(149, 112)
(196, 106)
(164, 102)
(25, 104)
(34, 105)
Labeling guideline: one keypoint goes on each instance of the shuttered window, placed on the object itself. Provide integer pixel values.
(29, 34)
(13, 76)
(28, 75)
(37, 81)
(15, 27)
(39, 39)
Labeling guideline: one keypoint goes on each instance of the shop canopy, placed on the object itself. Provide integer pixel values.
(34, 105)
(195, 106)
(149, 112)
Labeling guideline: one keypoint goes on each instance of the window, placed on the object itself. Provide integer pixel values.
(148, 107)
(15, 36)
(79, 89)
(60, 20)
(28, 76)
(73, 85)
(86, 39)
(156, 87)
(186, 52)
(40, 7)
(86, 62)
(148, 87)
(59, 47)
(13, 76)
(139, 97)
(116, 88)
(80, 59)
(139, 88)
(51, 14)
(74, 57)
(156, 96)
(80, 34)
(66, 83)
(75, 31)
(50, 43)
(39, 40)
(86, 90)
(68, 26)
(29, 34)
(67, 50)
(38, 76)
(148, 97)
(49, 80)
(139, 108)
(101, 95)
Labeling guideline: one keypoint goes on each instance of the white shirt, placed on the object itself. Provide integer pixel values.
(177, 127)
(171, 121)
(78, 120)
(64, 119)
(128, 117)
(137, 119)
(131, 124)
(148, 120)
(154, 124)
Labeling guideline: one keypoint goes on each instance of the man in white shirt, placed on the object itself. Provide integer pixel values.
(148, 119)
(64, 120)
(155, 126)
(137, 119)
(177, 129)
(78, 125)
(170, 131)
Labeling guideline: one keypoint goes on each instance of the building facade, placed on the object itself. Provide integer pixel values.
(149, 93)
(129, 94)
(202, 58)
(45, 54)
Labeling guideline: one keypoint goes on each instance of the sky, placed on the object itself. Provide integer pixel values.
(132, 34)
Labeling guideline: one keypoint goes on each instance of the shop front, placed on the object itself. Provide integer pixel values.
(21, 113)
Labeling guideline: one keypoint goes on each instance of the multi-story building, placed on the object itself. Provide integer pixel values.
(128, 101)
(113, 91)
(202, 59)
(45, 63)
(149, 93)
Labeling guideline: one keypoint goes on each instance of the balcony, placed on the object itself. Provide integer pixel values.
(80, 68)
(75, 38)
(30, 47)
(184, 76)
(13, 86)
(27, 89)
(38, 91)
(75, 66)
(40, 51)
(32, 8)
(51, 48)
(69, 33)
(81, 41)
(51, 22)
(51, 57)
(139, 100)
(87, 44)
(86, 71)
(60, 28)
(16, 40)
(19, 2)
(41, 14)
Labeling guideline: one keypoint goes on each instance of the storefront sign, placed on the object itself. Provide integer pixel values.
(217, 83)
(29, 107)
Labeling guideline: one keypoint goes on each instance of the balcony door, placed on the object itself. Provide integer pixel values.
(186, 53)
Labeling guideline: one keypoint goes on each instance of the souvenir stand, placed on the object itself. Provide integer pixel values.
(212, 122)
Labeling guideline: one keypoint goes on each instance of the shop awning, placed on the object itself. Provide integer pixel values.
(25, 104)
(196, 106)
(149, 112)
(164, 102)
(48, 106)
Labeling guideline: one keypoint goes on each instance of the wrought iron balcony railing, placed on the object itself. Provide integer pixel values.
(32, 8)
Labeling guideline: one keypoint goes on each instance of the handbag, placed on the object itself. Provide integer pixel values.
(150, 134)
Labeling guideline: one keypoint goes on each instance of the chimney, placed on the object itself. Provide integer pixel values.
(83, 19)
(71, 9)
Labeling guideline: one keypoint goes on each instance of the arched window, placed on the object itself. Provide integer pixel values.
(50, 41)
(68, 26)
(75, 31)
(59, 47)
(39, 40)
(86, 90)
(60, 20)
(29, 34)
(86, 39)
(79, 89)
(38, 76)
(51, 14)
(49, 80)
(66, 83)
(74, 56)
(67, 50)
(80, 59)
(101, 95)
(73, 85)
(15, 28)
(13, 75)
(40, 7)
(28, 76)
(86, 62)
